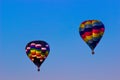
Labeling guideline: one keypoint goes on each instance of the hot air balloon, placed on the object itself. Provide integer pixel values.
(91, 31)
(37, 51)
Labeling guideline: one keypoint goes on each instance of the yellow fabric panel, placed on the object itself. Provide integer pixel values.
(32, 51)
(95, 35)
(42, 56)
(88, 22)
(38, 52)
(33, 55)
(85, 39)
(93, 21)
(38, 56)
(82, 26)
(46, 53)
(29, 55)
(89, 37)
(101, 33)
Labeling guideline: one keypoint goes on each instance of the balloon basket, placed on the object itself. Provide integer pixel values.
(38, 69)
(93, 52)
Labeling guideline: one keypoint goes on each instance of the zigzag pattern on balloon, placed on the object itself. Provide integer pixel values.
(91, 32)
(37, 51)
(34, 51)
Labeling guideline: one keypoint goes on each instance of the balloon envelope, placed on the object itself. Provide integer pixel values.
(91, 31)
(37, 51)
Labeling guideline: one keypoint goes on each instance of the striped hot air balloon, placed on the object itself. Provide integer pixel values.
(37, 51)
(91, 32)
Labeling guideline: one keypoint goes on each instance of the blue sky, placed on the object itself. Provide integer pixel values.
(57, 23)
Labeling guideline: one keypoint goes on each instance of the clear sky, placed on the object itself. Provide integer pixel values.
(57, 23)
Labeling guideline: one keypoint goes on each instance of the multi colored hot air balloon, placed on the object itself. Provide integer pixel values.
(91, 32)
(37, 51)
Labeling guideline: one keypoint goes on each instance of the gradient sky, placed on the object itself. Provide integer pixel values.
(57, 23)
